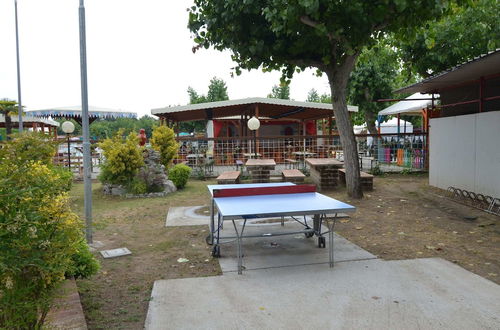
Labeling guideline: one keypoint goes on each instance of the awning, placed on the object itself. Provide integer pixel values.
(480, 66)
(408, 107)
(28, 120)
(76, 112)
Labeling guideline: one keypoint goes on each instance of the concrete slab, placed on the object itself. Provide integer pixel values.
(186, 216)
(283, 251)
(374, 294)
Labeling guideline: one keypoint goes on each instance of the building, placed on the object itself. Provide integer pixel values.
(464, 127)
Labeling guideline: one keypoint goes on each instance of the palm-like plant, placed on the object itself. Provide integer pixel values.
(8, 108)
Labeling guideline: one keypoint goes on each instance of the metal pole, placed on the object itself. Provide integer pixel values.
(69, 154)
(87, 180)
(19, 102)
(255, 143)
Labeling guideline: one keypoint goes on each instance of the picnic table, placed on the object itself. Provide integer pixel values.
(260, 169)
(324, 172)
(250, 201)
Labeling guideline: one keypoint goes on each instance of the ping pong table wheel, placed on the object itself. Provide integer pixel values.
(309, 234)
(216, 251)
(321, 242)
(208, 239)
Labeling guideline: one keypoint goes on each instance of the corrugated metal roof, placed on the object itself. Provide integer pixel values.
(250, 100)
(480, 66)
(269, 107)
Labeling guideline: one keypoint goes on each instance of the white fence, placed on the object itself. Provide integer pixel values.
(465, 152)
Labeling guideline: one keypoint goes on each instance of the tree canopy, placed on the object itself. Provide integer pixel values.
(439, 45)
(291, 35)
(374, 77)
(217, 91)
(281, 91)
(313, 96)
(8, 108)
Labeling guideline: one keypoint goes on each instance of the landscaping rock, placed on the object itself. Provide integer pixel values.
(152, 173)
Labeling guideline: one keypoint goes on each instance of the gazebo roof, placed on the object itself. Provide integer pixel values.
(76, 112)
(268, 107)
(29, 120)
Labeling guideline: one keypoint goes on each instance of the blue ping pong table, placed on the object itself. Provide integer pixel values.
(264, 200)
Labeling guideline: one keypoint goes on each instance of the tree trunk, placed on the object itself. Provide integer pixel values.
(338, 77)
(370, 122)
(8, 126)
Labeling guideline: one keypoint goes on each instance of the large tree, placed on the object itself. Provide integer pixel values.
(374, 77)
(288, 35)
(281, 91)
(217, 91)
(453, 39)
(8, 108)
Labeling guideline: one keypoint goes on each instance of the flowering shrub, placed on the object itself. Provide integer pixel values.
(179, 174)
(30, 146)
(163, 141)
(40, 236)
(123, 158)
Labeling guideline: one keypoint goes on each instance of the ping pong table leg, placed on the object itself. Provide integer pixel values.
(238, 240)
(212, 222)
(317, 222)
(216, 246)
(331, 224)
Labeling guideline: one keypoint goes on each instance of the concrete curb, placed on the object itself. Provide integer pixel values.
(67, 311)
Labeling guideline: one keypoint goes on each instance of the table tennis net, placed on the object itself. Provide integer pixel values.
(238, 192)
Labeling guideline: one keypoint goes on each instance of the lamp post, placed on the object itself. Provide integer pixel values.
(68, 128)
(254, 124)
(19, 102)
(87, 179)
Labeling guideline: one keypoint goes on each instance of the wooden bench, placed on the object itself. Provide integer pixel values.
(293, 175)
(291, 163)
(366, 179)
(229, 177)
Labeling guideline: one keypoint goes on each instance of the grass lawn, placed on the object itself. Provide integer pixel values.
(118, 296)
(402, 218)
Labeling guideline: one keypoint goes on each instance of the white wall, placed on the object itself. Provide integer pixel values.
(465, 152)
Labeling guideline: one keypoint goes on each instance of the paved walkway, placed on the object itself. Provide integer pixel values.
(287, 284)
(373, 294)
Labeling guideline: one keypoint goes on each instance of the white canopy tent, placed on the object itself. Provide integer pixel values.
(409, 107)
(388, 127)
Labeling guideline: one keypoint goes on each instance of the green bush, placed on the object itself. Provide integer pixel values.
(163, 141)
(84, 264)
(123, 159)
(376, 170)
(65, 177)
(39, 234)
(30, 146)
(137, 187)
(179, 174)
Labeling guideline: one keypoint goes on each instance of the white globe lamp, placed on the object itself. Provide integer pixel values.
(254, 124)
(68, 128)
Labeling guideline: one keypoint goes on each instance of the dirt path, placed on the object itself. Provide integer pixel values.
(405, 218)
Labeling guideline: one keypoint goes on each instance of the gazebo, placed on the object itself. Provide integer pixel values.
(287, 127)
(45, 125)
(75, 112)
